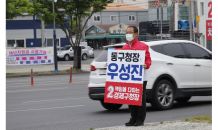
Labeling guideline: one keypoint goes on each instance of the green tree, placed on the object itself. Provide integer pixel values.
(15, 8)
(75, 10)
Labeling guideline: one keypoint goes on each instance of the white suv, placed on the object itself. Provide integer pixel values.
(180, 69)
(67, 52)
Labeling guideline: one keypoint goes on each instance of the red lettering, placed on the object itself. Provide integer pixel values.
(210, 11)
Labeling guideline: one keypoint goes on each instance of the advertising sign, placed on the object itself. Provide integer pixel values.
(209, 19)
(83, 43)
(29, 56)
(124, 79)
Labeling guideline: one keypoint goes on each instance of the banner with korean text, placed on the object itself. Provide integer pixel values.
(124, 78)
(208, 19)
(29, 56)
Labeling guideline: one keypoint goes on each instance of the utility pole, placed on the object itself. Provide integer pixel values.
(34, 30)
(54, 38)
(83, 31)
(197, 23)
(190, 23)
(161, 26)
(42, 33)
(193, 17)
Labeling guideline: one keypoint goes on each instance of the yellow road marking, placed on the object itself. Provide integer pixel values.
(48, 84)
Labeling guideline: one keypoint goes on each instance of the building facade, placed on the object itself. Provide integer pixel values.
(109, 26)
(205, 27)
(20, 31)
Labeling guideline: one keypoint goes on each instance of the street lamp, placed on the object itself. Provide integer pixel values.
(54, 37)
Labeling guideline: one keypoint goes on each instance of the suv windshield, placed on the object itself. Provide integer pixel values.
(102, 57)
(65, 48)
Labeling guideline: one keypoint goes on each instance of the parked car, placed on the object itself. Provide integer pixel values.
(91, 52)
(180, 69)
(67, 52)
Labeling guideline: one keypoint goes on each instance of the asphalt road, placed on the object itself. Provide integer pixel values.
(88, 61)
(54, 104)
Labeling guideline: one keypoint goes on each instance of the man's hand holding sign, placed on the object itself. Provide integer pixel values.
(126, 77)
(124, 80)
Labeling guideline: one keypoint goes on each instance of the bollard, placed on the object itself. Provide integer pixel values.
(32, 77)
(71, 70)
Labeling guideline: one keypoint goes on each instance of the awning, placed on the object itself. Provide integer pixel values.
(95, 37)
(115, 36)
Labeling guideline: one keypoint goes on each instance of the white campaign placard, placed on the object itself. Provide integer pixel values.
(124, 79)
(29, 56)
(125, 66)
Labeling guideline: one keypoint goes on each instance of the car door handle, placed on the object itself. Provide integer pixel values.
(197, 65)
(169, 63)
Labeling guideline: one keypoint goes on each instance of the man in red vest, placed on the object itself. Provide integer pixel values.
(138, 113)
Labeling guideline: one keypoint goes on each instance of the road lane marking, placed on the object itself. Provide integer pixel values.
(49, 84)
(45, 108)
(52, 100)
(35, 82)
(15, 83)
(34, 90)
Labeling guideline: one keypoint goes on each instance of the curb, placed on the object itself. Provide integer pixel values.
(63, 73)
(126, 126)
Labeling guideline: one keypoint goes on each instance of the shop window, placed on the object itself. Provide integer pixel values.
(16, 43)
(50, 42)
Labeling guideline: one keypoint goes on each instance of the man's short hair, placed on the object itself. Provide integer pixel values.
(134, 28)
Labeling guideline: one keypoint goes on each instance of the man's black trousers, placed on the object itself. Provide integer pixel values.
(139, 112)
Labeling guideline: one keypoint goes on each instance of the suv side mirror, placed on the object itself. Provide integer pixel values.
(71, 49)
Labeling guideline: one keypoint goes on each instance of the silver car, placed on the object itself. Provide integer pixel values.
(91, 52)
(67, 52)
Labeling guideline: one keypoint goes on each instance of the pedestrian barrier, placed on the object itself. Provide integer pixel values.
(32, 84)
(71, 70)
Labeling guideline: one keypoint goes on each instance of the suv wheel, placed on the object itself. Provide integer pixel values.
(182, 99)
(84, 57)
(66, 57)
(163, 95)
(110, 106)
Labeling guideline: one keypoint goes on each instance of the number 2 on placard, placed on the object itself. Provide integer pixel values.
(111, 89)
(210, 11)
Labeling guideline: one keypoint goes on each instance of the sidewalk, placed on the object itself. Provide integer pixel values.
(42, 68)
(175, 125)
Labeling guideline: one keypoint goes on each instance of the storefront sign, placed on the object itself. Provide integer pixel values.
(153, 4)
(29, 56)
(119, 29)
(124, 79)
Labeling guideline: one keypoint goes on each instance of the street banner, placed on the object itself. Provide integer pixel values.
(29, 56)
(209, 19)
(124, 78)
